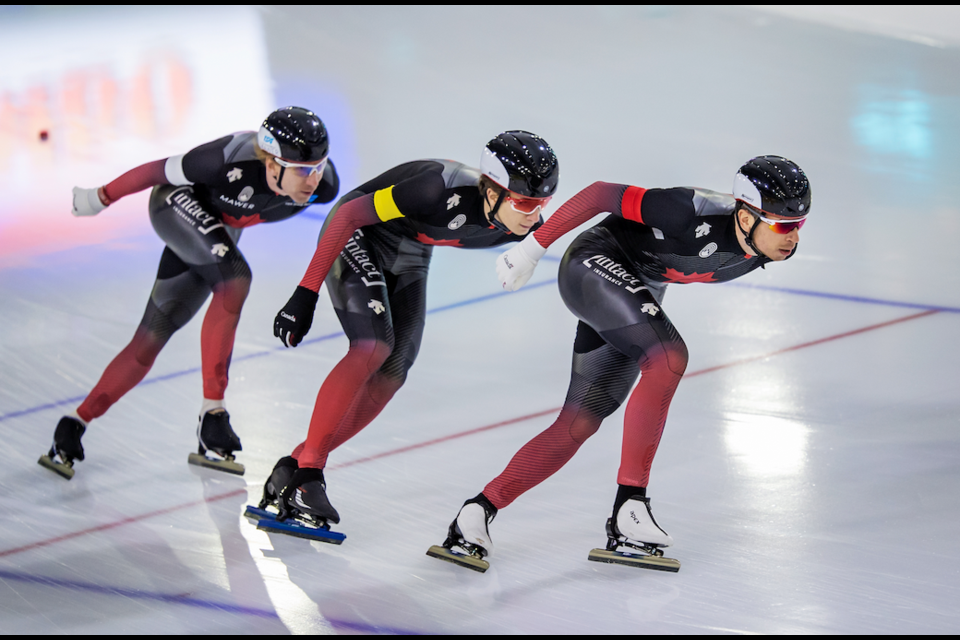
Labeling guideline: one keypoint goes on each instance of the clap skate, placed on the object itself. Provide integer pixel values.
(304, 511)
(468, 539)
(217, 442)
(279, 478)
(65, 449)
(634, 538)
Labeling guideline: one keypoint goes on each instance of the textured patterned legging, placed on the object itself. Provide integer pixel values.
(623, 332)
(198, 260)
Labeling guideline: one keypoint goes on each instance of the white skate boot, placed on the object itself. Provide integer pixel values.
(634, 538)
(468, 539)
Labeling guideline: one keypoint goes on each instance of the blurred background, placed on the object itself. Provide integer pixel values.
(814, 490)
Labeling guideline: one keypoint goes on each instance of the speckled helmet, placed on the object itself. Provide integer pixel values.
(774, 185)
(294, 134)
(521, 162)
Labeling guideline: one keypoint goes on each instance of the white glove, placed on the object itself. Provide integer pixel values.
(86, 202)
(516, 265)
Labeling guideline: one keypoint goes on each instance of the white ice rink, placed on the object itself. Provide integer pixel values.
(810, 468)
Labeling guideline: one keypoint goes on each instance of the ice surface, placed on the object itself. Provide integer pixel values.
(809, 469)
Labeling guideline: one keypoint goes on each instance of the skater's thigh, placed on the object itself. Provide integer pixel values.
(196, 234)
(408, 309)
(598, 287)
(178, 292)
(359, 292)
(601, 375)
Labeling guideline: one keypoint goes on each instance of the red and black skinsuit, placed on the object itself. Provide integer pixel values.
(201, 202)
(374, 253)
(613, 277)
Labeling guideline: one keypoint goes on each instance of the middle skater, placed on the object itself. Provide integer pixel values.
(374, 252)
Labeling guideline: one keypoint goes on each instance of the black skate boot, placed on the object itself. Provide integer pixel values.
(66, 447)
(468, 538)
(633, 536)
(217, 443)
(279, 478)
(305, 511)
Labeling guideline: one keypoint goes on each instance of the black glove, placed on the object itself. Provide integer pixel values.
(294, 320)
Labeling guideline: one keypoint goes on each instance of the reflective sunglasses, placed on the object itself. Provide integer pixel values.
(527, 206)
(303, 170)
(780, 226)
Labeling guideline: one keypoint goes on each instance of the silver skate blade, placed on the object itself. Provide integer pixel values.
(657, 563)
(470, 562)
(59, 468)
(297, 530)
(220, 465)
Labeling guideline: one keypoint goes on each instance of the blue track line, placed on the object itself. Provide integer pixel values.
(138, 595)
(529, 287)
(845, 298)
(260, 354)
(182, 599)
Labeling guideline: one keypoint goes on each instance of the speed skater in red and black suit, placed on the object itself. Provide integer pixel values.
(200, 204)
(613, 277)
(374, 253)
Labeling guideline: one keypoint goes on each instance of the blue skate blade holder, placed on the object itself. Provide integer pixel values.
(255, 513)
(300, 530)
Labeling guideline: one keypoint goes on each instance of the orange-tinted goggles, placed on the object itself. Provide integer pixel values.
(782, 226)
(527, 206)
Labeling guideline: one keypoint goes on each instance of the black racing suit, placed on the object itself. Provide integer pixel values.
(200, 203)
(384, 232)
(613, 278)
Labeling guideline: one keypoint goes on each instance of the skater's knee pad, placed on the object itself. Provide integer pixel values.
(393, 373)
(231, 294)
(370, 354)
(672, 356)
(677, 357)
(583, 427)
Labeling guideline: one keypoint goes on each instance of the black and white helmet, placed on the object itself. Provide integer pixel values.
(774, 185)
(521, 162)
(294, 134)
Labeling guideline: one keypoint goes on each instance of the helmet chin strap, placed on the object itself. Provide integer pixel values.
(280, 178)
(748, 236)
(493, 213)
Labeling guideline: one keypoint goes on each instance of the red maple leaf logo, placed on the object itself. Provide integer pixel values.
(443, 243)
(240, 223)
(672, 275)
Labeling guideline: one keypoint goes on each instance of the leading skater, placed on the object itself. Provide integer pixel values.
(374, 253)
(200, 204)
(613, 277)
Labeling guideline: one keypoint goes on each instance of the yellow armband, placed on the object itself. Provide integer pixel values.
(385, 206)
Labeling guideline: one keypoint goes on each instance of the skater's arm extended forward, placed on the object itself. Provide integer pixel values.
(515, 266)
(669, 210)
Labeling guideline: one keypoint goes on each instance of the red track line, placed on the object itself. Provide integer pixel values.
(455, 436)
(688, 375)
(813, 343)
(118, 523)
